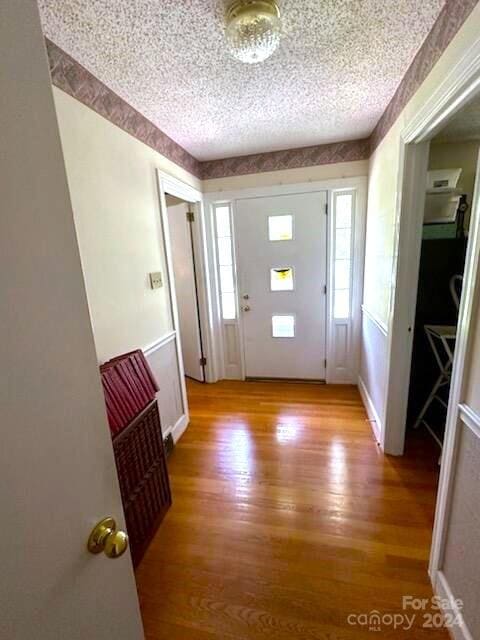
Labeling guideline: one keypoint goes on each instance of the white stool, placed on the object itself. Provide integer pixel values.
(442, 340)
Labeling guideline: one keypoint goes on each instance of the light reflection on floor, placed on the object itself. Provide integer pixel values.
(289, 428)
(337, 464)
(239, 464)
(287, 432)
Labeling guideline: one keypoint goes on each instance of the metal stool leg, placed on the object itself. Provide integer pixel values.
(428, 402)
(443, 379)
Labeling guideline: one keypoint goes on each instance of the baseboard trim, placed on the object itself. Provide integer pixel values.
(178, 428)
(373, 416)
(442, 589)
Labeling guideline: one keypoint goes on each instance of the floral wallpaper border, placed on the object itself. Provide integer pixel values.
(288, 159)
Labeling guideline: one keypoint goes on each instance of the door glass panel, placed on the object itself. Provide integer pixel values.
(283, 326)
(281, 279)
(228, 306)
(226, 279)
(280, 227)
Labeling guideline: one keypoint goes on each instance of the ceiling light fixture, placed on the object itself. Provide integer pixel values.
(253, 29)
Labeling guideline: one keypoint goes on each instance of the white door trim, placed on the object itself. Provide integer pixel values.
(177, 188)
(453, 93)
(359, 185)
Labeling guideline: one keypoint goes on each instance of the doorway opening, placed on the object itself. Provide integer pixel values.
(184, 244)
(181, 218)
(452, 165)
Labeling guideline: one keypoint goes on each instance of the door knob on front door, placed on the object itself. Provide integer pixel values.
(246, 308)
(107, 538)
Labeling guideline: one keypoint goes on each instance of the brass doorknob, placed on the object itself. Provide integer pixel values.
(107, 538)
(246, 308)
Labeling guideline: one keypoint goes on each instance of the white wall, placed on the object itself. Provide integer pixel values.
(114, 193)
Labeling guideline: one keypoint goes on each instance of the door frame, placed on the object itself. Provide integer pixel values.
(332, 187)
(459, 86)
(175, 187)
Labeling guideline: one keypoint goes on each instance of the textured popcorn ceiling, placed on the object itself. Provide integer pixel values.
(464, 125)
(338, 65)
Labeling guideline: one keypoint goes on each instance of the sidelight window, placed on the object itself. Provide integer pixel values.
(223, 230)
(343, 255)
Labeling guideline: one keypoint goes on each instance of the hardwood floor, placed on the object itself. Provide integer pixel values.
(287, 519)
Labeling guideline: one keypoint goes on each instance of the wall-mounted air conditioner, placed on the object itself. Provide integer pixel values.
(442, 180)
(443, 198)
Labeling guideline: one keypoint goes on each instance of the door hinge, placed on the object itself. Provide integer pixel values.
(203, 362)
(325, 363)
(190, 216)
(325, 289)
(326, 208)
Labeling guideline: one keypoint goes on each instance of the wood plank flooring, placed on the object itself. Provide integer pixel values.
(287, 519)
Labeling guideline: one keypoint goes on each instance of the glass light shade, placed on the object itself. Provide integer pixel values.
(253, 29)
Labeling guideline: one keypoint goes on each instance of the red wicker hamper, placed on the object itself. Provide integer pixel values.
(129, 389)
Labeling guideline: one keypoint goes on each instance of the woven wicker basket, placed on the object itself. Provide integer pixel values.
(143, 476)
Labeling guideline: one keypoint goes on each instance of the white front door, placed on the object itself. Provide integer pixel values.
(57, 471)
(180, 232)
(281, 263)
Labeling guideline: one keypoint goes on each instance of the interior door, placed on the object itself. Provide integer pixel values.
(281, 263)
(57, 472)
(186, 289)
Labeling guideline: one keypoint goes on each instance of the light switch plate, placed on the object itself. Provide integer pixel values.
(156, 280)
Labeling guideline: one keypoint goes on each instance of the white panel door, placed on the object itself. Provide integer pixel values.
(185, 290)
(57, 471)
(281, 261)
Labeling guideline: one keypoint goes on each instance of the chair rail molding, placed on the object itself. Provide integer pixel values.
(373, 318)
(158, 344)
(470, 418)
